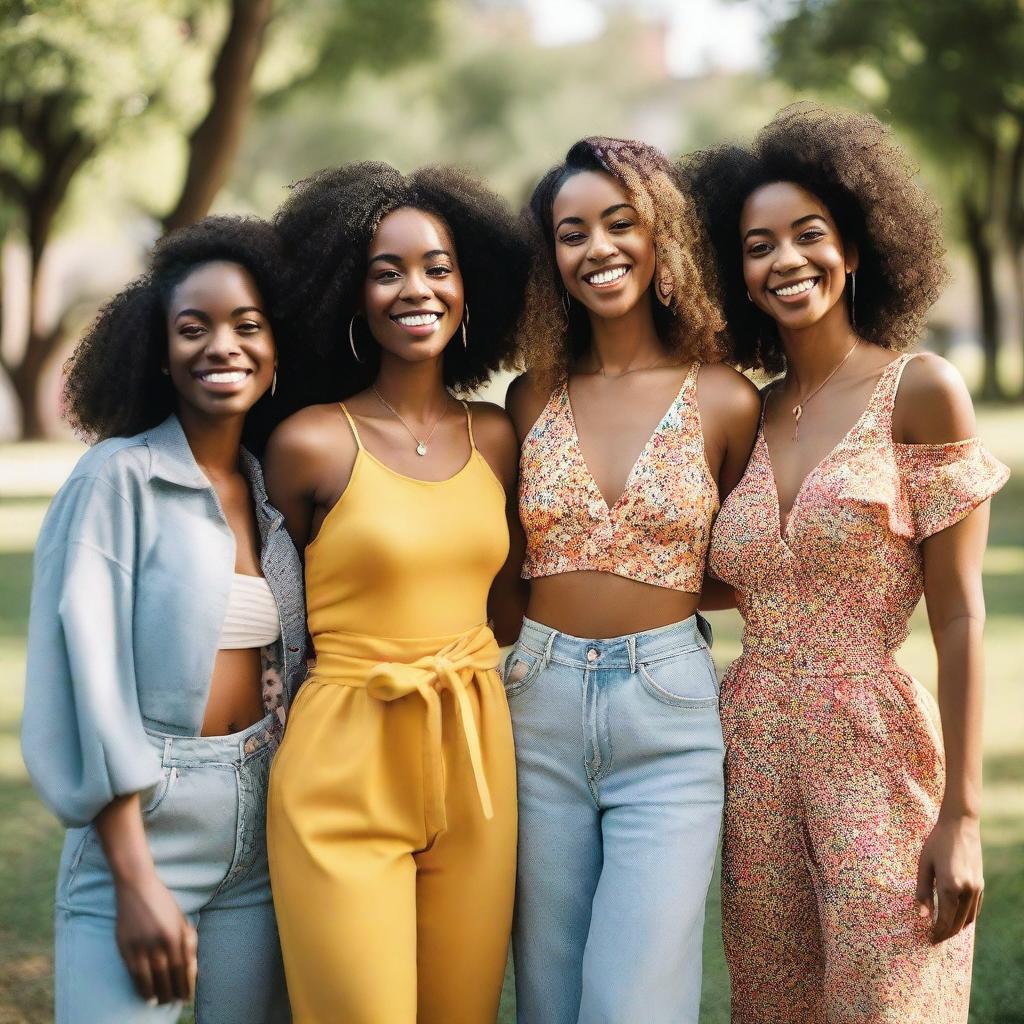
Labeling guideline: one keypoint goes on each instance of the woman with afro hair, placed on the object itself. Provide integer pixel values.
(631, 428)
(165, 639)
(392, 822)
(851, 870)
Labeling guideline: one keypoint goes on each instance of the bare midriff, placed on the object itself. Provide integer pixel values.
(236, 699)
(599, 605)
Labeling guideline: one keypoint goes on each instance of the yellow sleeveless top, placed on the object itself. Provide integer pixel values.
(405, 558)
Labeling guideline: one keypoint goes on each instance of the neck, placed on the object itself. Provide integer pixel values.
(215, 442)
(625, 343)
(813, 352)
(415, 389)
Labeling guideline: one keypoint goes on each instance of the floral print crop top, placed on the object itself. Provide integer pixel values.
(846, 573)
(658, 530)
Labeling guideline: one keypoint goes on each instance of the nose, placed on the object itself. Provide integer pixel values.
(222, 343)
(416, 287)
(601, 247)
(787, 257)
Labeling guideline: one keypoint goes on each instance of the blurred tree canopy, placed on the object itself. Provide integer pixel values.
(952, 75)
(81, 80)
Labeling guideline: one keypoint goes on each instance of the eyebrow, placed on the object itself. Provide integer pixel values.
(604, 213)
(796, 223)
(200, 315)
(390, 257)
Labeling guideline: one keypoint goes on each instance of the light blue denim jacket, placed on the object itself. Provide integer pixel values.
(133, 567)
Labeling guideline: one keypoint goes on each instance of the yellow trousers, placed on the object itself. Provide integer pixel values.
(392, 833)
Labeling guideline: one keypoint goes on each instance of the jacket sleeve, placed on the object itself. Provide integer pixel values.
(83, 739)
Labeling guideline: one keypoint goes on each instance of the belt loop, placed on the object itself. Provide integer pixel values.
(167, 752)
(631, 647)
(547, 649)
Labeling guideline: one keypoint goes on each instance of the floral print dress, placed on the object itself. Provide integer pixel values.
(834, 761)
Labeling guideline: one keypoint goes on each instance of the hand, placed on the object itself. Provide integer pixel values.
(950, 866)
(156, 941)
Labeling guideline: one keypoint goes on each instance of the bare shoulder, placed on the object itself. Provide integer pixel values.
(933, 405)
(496, 440)
(309, 439)
(525, 401)
(492, 424)
(724, 391)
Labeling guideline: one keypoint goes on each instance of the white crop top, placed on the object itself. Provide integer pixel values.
(251, 619)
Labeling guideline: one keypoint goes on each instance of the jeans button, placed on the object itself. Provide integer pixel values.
(592, 655)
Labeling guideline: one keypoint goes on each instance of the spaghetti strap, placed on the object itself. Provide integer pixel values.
(352, 424)
(469, 424)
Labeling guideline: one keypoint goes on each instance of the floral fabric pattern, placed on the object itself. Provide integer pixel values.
(658, 530)
(834, 763)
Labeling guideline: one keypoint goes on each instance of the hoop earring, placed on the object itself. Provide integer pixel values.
(853, 299)
(273, 384)
(465, 324)
(565, 305)
(352, 340)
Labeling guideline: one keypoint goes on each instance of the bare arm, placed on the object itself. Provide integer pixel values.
(496, 439)
(934, 408)
(730, 409)
(156, 941)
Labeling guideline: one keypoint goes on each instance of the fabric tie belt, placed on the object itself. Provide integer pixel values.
(462, 661)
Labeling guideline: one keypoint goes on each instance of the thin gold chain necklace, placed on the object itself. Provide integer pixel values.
(421, 445)
(798, 409)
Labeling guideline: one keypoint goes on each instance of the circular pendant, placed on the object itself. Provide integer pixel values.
(421, 449)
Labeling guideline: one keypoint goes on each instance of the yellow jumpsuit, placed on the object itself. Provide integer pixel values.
(392, 805)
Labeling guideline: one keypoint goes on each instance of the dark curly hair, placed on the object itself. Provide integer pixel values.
(852, 163)
(326, 226)
(691, 324)
(113, 384)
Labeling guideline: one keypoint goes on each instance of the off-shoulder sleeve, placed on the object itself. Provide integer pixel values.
(83, 740)
(943, 483)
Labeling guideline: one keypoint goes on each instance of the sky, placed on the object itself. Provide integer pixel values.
(703, 36)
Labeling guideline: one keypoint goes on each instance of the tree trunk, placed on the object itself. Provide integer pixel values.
(214, 143)
(979, 245)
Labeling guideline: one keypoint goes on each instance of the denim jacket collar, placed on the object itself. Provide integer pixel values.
(171, 459)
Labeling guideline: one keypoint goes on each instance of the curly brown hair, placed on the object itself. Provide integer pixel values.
(691, 325)
(853, 164)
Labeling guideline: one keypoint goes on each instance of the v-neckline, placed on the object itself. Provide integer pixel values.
(784, 528)
(610, 507)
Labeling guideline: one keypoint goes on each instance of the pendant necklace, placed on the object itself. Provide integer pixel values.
(421, 445)
(798, 409)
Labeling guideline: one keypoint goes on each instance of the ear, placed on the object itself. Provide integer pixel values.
(852, 258)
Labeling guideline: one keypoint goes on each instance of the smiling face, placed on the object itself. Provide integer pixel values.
(413, 296)
(220, 351)
(794, 261)
(605, 254)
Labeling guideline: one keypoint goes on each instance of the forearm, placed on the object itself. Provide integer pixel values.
(958, 644)
(123, 837)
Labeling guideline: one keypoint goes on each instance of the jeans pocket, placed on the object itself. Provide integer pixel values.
(151, 799)
(685, 680)
(520, 670)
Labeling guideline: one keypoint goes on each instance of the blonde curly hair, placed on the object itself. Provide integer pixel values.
(689, 317)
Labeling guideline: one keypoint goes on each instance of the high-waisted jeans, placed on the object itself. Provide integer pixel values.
(205, 822)
(619, 756)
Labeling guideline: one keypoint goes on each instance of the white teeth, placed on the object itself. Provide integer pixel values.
(797, 289)
(224, 377)
(604, 276)
(418, 320)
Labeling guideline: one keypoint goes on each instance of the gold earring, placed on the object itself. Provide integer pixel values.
(352, 340)
(465, 324)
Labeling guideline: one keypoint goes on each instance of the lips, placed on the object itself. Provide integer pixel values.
(420, 323)
(607, 277)
(795, 290)
(223, 381)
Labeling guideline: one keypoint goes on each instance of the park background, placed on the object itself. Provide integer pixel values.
(122, 118)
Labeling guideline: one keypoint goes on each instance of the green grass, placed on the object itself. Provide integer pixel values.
(30, 838)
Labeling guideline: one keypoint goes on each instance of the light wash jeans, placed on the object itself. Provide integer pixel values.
(619, 755)
(205, 821)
